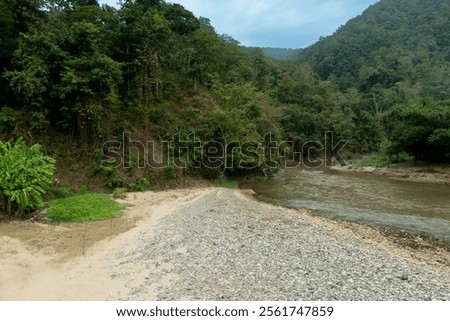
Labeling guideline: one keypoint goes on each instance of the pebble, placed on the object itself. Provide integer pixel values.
(222, 247)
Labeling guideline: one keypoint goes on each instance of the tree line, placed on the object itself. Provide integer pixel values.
(87, 73)
(75, 75)
(394, 55)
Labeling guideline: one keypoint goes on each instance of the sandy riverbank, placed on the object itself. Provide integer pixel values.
(71, 261)
(214, 244)
(425, 173)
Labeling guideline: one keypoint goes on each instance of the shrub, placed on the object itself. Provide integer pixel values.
(169, 173)
(109, 170)
(25, 174)
(373, 161)
(58, 191)
(225, 183)
(141, 186)
(421, 128)
(120, 192)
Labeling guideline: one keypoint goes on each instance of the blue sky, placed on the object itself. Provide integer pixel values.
(275, 23)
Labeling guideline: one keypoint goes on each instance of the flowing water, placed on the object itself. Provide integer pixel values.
(422, 209)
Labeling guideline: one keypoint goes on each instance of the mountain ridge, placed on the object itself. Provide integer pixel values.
(389, 37)
(280, 54)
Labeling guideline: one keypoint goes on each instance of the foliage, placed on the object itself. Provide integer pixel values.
(421, 127)
(397, 49)
(169, 173)
(93, 72)
(120, 192)
(58, 191)
(90, 73)
(280, 54)
(383, 160)
(225, 183)
(141, 186)
(109, 171)
(26, 174)
(379, 160)
(394, 52)
(16, 17)
(83, 208)
(83, 190)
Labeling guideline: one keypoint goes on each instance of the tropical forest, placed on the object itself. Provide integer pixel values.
(210, 170)
(76, 74)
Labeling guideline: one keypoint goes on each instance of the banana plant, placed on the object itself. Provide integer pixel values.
(25, 174)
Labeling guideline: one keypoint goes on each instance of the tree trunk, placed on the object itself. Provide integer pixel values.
(82, 127)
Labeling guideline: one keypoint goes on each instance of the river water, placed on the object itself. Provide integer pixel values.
(422, 209)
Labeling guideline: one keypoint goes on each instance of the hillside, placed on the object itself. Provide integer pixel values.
(146, 95)
(280, 54)
(389, 59)
(395, 44)
(83, 79)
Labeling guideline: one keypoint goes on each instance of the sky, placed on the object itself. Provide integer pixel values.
(275, 23)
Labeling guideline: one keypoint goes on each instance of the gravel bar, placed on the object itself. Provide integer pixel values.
(224, 246)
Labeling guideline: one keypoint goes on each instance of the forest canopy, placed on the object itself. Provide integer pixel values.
(82, 74)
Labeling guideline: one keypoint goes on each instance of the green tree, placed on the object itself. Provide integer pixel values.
(7, 36)
(7, 46)
(89, 81)
(16, 16)
(421, 127)
(62, 70)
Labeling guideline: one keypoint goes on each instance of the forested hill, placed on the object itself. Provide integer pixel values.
(372, 76)
(395, 45)
(75, 75)
(280, 54)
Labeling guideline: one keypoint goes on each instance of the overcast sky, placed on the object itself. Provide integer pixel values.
(275, 23)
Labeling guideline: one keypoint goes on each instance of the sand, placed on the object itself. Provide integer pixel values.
(72, 261)
(97, 261)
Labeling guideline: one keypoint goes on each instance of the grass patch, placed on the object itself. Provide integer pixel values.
(83, 208)
(382, 160)
(373, 161)
(226, 183)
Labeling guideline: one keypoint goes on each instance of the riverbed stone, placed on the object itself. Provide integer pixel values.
(223, 247)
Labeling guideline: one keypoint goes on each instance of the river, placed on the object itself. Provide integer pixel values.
(421, 209)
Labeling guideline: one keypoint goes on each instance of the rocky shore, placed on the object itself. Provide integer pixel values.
(221, 244)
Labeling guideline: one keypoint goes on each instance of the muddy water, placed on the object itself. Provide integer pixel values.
(422, 209)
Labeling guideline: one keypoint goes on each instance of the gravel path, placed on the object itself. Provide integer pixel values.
(226, 247)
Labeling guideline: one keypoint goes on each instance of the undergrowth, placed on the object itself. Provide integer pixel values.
(83, 208)
(226, 183)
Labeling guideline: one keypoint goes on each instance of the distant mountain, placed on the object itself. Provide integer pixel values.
(280, 54)
(401, 45)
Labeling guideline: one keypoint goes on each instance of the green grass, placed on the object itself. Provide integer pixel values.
(381, 160)
(83, 208)
(373, 161)
(226, 183)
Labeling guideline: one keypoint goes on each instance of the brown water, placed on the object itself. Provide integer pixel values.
(422, 209)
